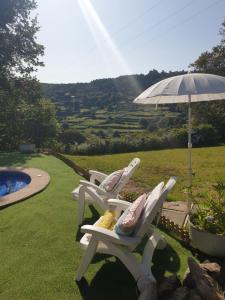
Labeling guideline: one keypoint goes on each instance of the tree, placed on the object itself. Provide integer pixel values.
(72, 136)
(143, 123)
(212, 62)
(24, 116)
(37, 122)
(18, 47)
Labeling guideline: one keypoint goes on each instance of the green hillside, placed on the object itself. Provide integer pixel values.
(104, 109)
(100, 117)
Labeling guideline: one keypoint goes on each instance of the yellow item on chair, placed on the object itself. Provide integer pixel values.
(108, 220)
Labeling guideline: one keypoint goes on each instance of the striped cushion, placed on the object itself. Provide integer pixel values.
(110, 182)
(128, 220)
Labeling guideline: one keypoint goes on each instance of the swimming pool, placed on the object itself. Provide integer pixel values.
(12, 181)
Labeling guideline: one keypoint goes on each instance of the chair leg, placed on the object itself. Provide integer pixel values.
(156, 241)
(127, 258)
(91, 249)
(161, 243)
(81, 206)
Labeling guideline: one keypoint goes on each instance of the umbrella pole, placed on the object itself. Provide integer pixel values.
(189, 154)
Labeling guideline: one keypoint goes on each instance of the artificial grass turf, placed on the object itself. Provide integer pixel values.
(208, 165)
(39, 248)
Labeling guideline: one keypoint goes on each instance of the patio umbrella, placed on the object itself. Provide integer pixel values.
(187, 88)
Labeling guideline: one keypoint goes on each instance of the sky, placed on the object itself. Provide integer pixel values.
(91, 39)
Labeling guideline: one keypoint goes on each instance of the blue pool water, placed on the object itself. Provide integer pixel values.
(11, 182)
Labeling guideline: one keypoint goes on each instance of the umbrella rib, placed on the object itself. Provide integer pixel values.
(179, 85)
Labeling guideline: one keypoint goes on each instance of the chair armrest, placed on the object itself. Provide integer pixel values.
(107, 235)
(95, 175)
(121, 204)
(90, 184)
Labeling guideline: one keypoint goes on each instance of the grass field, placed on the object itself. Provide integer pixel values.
(208, 165)
(40, 250)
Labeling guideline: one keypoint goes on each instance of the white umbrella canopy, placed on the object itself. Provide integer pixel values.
(187, 88)
(177, 89)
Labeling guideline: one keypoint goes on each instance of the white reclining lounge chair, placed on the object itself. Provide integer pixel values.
(90, 192)
(101, 240)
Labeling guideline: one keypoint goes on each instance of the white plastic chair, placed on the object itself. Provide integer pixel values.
(100, 240)
(91, 193)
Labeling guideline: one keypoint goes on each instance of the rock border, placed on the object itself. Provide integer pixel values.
(39, 181)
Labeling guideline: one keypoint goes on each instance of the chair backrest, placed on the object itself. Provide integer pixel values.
(128, 172)
(153, 205)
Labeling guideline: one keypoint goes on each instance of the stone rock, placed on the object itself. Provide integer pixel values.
(180, 293)
(204, 282)
(221, 278)
(188, 281)
(168, 286)
(193, 294)
(212, 268)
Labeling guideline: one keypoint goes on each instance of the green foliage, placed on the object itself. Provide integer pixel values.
(127, 143)
(214, 114)
(212, 62)
(24, 116)
(110, 94)
(38, 122)
(18, 48)
(144, 123)
(205, 135)
(178, 137)
(129, 195)
(27, 123)
(210, 211)
(72, 136)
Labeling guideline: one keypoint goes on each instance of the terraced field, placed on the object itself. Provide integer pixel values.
(123, 120)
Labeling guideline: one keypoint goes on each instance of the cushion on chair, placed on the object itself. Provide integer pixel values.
(148, 210)
(110, 182)
(108, 220)
(128, 220)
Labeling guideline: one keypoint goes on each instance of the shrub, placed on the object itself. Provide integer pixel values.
(143, 123)
(210, 211)
(72, 136)
(129, 196)
(206, 135)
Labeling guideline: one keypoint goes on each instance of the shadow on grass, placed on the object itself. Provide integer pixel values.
(166, 260)
(112, 281)
(15, 158)
(88, 221)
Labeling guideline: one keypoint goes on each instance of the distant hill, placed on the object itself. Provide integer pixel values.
(100, 116)
(101, 93)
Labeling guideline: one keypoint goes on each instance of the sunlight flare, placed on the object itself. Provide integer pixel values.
(101, 35)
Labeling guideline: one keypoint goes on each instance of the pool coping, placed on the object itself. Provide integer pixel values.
(39, 181)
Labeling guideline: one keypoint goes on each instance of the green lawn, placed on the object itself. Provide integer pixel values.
(208, 165)
(40, 250)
